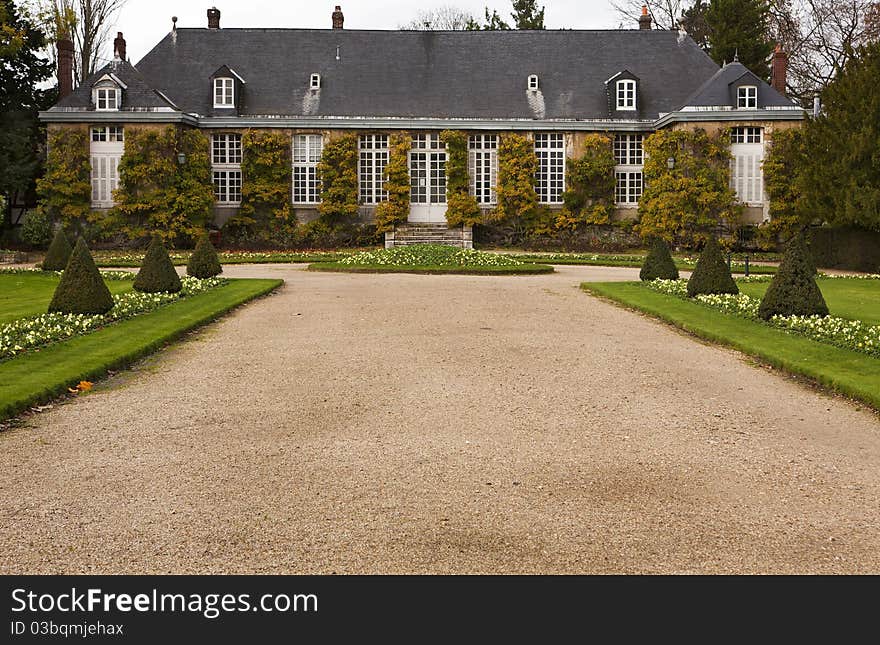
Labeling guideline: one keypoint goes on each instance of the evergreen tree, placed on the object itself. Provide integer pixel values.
(494, 22)
(711, 274)
(793, 291)
(157, 272)
(658, 263)
(737, 29)
(81, 289)
(58, 254)
(204, 263)
(693, 21)
(22, 72)
(527, 15)
(840, 177)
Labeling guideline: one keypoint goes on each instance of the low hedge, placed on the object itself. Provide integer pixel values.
(850, 249)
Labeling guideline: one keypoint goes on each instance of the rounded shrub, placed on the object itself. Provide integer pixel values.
(711, 274)
(58, 254)
(793, 290)
(81, 289)
(37, 230)
(157, 271)
(658, 263)
(204, 263)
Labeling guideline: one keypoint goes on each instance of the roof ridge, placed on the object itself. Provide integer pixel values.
(645, 32)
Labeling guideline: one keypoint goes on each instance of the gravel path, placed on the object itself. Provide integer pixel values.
(401, 423)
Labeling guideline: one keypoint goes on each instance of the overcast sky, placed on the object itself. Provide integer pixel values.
(145, 22)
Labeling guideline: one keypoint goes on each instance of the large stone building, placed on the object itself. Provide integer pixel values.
(313, 84)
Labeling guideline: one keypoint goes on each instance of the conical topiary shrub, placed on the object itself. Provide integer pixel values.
(711, 274)
(793, 290)
(58, 254)
(81, 289)
(658, 263)
(157, 271)
(204, 263)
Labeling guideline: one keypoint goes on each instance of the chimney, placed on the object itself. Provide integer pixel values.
(119, 46)
(645, 18)
(65, 67)
(213, 18)
(338, 18)
(778, 69)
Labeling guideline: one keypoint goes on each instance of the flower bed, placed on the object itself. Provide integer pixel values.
(431, 258)
(29, 333)
(840, 332)
(107, 275)
(430, 255)
(135, 258)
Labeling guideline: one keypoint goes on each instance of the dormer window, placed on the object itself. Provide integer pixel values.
(315, 82)
(533, 83)
(107, 97)
(224, 92)
(747, 96)
(626, 94)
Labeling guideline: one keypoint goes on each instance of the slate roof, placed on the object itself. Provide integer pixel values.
(138, 93)
(445, 74)
(718, 90)
(427, 74)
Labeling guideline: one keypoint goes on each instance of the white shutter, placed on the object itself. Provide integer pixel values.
(746, 176)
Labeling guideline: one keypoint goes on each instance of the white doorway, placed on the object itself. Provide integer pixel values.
(427, 176)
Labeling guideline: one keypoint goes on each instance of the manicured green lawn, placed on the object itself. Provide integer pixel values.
(853, 299)
(38, 376)
(856, 375)
(29, 294)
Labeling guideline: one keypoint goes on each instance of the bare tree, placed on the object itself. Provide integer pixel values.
(665, 14)
(445, 18)
(821, 37)
(86, 22)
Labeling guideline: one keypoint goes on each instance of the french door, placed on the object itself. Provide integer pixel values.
(427, 176)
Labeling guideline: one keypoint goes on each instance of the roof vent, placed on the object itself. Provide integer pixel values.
(338, 18)
(213, 18)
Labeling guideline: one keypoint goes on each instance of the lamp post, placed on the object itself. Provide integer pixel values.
(181, 158)
(670, 163)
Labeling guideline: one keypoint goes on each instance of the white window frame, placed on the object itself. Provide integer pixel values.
(747, 97)
(315, 82)
(107, 134)
(629, 186)
(306, 154)
(106, 147)
(224, 90)
(103, 94)
(550, 175)
(533, 84)
(629, 159)
(747, 164)
(373, 155)
(483, 167)
(625, 92)
(226, 155)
